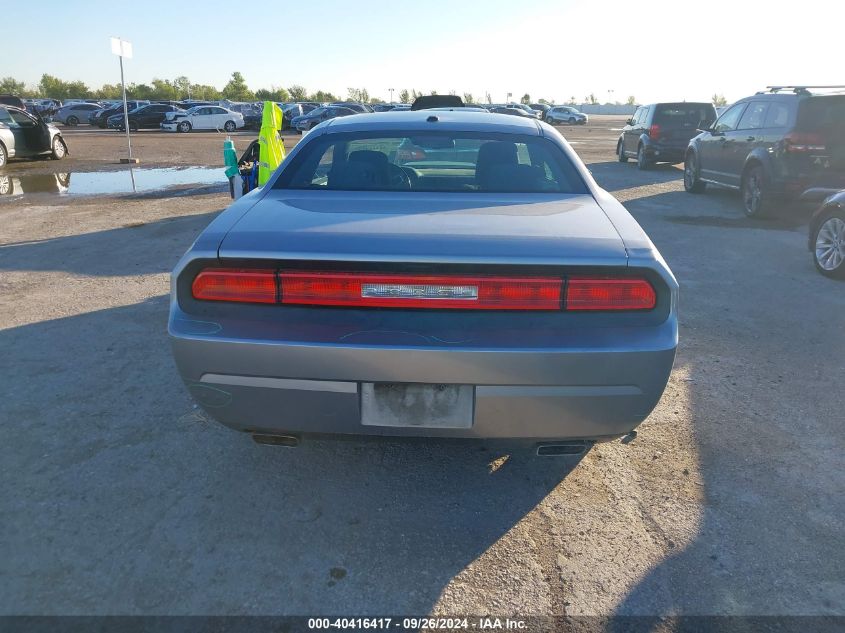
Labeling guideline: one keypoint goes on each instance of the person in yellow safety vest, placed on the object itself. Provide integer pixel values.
(271, 147)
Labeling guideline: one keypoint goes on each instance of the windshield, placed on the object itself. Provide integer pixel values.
(440, 162)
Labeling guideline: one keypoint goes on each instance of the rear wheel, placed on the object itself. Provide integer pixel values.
(756, 197)
(620, 152)
(59, 149)
(3, 155)
(72, 121)
(692, 183)
(829, 249)
(184, 126)
(642, 161)
(229, 126)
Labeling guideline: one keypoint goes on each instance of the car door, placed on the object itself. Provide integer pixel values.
(629, 136)
(202, 119)
(749, 135)
(31, 136)
(220, 116)
(152, 116)
(715, 147)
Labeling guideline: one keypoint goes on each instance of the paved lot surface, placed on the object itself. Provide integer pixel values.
(120, 497)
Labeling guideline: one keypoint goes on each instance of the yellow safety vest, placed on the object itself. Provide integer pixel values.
(271, 151)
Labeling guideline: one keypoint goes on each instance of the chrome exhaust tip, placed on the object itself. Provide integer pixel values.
(275, 440)
(558, 449)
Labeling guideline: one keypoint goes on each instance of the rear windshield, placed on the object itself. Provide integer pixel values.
(685, 114)
(823, 114)
(440, 162)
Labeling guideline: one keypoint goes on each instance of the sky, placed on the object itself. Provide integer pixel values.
(654, 50)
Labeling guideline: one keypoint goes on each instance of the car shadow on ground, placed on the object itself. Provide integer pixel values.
(113, 252)
(765, 414)
(616, 176)
(128, 499)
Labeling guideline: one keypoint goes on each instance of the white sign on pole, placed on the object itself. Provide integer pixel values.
(121, 48)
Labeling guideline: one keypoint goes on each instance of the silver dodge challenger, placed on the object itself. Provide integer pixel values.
(426, 273)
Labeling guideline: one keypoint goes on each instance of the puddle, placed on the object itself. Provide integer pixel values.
(110, 182)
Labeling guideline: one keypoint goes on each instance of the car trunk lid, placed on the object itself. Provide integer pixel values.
(515, 229)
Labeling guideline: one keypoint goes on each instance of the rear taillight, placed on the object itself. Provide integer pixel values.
(233, 284)
(654, 132)
(598, 293)
(420, 291)
(465, 292)
(803, 142)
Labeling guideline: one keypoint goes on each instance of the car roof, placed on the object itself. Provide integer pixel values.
(450, 120)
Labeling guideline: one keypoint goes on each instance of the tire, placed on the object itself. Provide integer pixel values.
(4, 156)
(829, 245)
(620, 153)
(550, 120)
(692, 181)
(642, 162)
(756, 202)
(230, 126)
(72, 121)
(184, 126)
(572, 120)
(58, 148)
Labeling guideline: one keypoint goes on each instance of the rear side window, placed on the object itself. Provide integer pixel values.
(754, 116)
(824, 115)
(778, 115)
(440, 162)
(684, 114)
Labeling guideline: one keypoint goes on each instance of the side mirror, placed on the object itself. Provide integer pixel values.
(629, 121)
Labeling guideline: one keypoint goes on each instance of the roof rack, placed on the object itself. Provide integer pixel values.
(799, 90)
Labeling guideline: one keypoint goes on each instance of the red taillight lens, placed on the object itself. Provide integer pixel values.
(420, 291)
(654, 132)
(596, 293)
(233, 284)
(802, 142)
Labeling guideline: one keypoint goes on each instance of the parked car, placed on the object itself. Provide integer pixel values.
(772, 147)
(293, 110)
(101, 117)
(541, 109)
(351, 295)
(502, 109)
(566, 114)
(521, 106)
(308, 121)
(23, 135)
(827, 236)
(75, 113)
(146, 117)
(661, 132)
(203, 118)
(357, 107)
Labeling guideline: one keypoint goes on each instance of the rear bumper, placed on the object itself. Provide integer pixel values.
(665, 153)
(603, 390)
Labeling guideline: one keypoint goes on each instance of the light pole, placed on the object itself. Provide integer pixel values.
(391, 95)
(123, 49)
(508, 98)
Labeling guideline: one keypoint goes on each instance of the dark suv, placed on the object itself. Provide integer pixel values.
(660, 132)
(772, 147)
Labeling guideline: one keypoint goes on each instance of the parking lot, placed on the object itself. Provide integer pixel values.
(121, 497)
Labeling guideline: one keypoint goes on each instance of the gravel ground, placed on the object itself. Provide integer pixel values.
(120, 497)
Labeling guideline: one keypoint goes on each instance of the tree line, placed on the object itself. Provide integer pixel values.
(235, 90)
